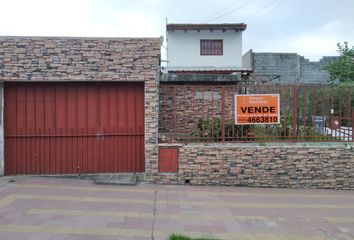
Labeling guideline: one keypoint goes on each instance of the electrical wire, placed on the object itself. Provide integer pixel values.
(262, 8)
(220, 11)
(269, 12)
(231, 11)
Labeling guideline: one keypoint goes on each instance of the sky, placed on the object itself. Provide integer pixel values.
(311, 28)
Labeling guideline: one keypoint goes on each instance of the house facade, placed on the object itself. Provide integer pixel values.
(199, 142)
(96, 105)
(204, 48)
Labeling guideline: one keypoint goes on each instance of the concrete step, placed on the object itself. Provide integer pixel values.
(101, 178)
(117, 179)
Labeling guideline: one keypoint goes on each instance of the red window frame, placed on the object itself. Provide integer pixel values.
(211, 47)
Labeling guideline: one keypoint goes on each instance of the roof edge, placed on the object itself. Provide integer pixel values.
(197, 27)
(78, 37)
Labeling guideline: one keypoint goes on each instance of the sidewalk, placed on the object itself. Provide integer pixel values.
(42, 208)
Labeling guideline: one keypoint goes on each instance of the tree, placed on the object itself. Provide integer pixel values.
(342, 69)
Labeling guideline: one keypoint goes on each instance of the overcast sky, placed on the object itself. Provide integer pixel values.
(309, 27)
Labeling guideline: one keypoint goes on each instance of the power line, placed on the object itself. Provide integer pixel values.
(269, 12)
(221, 10)
(259, 11)
(231, 11)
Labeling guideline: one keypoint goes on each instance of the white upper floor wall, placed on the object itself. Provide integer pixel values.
(184, 47)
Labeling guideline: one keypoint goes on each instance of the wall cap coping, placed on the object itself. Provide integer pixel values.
(77, 38)
(170, 145)
(274, 145)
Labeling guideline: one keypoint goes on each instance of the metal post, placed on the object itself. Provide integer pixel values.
(304, 114)
(185, 114)
(348, 111)
(223, 114)
(212, 114)
(175, 112)
(353, 125)
(203, 114)
(294, 112)
(332, 108)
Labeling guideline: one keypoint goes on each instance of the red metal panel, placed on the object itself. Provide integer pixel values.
(130, 125)
(62, 128)
(10, 95)
(140, 121)
(112, 119)
(122, 122)
(168, 159)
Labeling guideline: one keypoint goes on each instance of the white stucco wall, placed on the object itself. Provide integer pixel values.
(183, 50)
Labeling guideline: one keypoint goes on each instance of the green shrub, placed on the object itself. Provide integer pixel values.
(174, 236)
(211, 129)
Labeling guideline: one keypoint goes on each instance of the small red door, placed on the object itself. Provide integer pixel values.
(70, 128)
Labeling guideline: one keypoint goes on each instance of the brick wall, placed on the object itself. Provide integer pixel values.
(87, 59)
(275, 165)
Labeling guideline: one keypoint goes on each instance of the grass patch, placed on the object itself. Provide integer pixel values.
(183, 237)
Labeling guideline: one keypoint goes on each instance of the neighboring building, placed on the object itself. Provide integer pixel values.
(204, 48)
(286, 68)
(206, 52)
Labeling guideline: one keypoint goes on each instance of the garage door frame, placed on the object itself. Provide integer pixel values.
(100, 136)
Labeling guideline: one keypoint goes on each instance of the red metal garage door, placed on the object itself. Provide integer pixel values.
(65, 128)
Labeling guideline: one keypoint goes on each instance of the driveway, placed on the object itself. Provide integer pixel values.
(43, 208)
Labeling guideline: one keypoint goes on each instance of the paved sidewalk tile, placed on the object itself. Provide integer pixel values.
(49, 209)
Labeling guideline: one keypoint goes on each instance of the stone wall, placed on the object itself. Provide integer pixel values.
(288, 67)
(78, 59)
(329, 166)
(87, 59)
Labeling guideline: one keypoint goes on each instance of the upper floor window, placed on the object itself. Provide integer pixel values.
(211, 47)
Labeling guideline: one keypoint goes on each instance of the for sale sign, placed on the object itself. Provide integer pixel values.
(257, 109)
